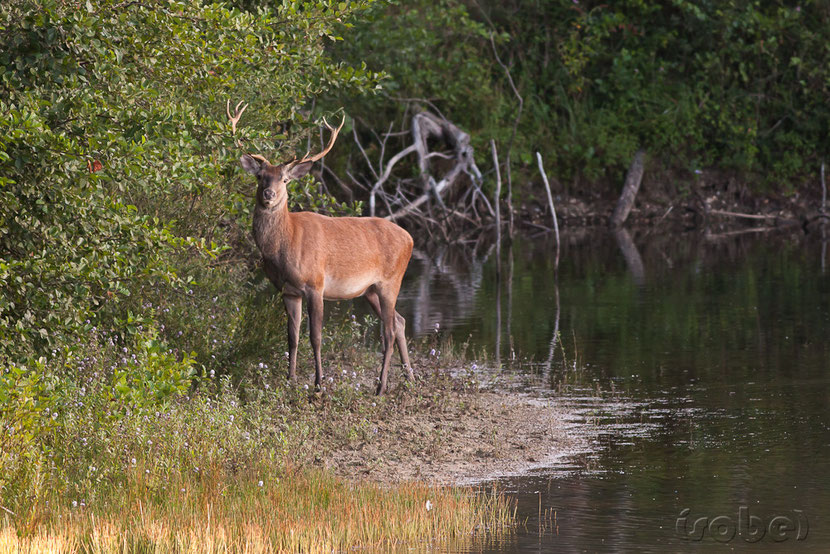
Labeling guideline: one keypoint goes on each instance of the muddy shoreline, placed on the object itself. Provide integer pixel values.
(446, 431)
(715, 201)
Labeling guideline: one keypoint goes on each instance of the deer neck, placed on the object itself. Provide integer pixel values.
(272, 228)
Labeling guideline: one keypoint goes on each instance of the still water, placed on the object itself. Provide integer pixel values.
(703, 361)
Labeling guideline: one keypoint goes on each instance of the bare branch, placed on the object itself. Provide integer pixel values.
(512, 134)
(362, 151)
(388, 171)
(552, 208)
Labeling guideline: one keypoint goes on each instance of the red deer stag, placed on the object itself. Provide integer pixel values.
(312, 256)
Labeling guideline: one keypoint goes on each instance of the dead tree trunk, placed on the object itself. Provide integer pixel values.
(426, 126)
(629, 192)
(496, 203)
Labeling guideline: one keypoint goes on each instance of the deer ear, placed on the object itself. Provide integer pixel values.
(299, 170)
(250, 164)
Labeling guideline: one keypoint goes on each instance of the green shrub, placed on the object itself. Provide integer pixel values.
(118, 166)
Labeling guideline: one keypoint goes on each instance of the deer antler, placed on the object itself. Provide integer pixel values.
(237, 113)
(334, 133)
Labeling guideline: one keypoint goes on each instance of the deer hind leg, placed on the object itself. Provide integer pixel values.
(400, 332)
(294, 309)
(400, 339)
(386, 310)
(315, 327)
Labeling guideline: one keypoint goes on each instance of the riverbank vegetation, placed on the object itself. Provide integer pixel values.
(223, 466)
(142, 351)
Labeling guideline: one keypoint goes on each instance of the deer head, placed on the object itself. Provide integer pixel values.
(272, 179)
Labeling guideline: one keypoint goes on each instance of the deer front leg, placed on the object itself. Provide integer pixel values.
(315, 327)
(294, 309)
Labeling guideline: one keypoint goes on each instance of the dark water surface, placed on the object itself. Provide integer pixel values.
(704, 362)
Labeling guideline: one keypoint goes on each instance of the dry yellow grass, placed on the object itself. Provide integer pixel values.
(305, 511)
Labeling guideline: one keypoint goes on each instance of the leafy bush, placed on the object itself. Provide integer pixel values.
(738, 86)
(116, 158)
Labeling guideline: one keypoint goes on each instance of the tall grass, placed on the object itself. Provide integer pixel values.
(302, 511)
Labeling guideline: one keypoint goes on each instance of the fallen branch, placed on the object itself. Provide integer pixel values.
(727, 234)
(437, 189)
(743, 215)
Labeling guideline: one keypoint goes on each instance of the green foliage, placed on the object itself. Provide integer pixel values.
(26, 412)
(116, 158)
(429, 51)
(306, 194)
(152, 376)
(738, 86)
